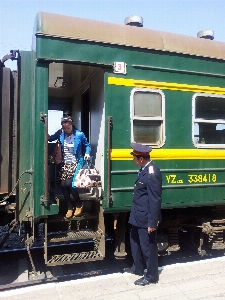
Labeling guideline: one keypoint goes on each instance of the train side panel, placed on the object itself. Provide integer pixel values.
(190, 174)
(25, 170)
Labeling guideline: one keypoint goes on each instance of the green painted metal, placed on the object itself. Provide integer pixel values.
(32, 196)
(181, 187)
(42, 204)
(198, 188)
(25, 185)
(54, 49)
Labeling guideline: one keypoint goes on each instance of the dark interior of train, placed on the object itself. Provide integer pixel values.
(76, 90)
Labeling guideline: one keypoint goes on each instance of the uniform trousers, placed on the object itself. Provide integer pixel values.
(145, 252)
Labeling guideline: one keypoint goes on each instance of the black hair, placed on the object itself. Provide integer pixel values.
(66, 114)
(146, 157)
(66, 119)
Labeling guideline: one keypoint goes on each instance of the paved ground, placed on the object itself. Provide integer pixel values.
(196, 280)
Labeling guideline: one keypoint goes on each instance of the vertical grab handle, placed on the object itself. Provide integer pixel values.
(44, 119)
(110, 124)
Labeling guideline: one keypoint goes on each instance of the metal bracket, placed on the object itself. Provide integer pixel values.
(12, 56)
(43, 116)
(29, 243)
(29, 214)
(43, 200)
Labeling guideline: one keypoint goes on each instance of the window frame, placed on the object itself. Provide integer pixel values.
(161, 119)
(201, 120)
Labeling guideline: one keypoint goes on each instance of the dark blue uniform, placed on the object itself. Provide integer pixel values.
(146, 212)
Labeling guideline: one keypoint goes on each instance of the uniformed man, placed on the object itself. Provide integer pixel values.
(145, 216)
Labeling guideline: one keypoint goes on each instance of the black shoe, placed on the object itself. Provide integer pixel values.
(131, 271)
(143, 281)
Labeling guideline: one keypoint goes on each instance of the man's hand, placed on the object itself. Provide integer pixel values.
(150, 229)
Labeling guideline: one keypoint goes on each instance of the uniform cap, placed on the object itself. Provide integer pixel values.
(139, 149)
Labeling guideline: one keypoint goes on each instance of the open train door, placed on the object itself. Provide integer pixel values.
(8, 136)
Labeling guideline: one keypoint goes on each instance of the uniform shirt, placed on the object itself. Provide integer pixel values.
(146, 206)
(142, 168)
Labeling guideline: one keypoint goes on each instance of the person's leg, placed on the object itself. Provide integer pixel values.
(76, 196)
(150, 253)
(138, 266)
(78, 203)
(66, 193)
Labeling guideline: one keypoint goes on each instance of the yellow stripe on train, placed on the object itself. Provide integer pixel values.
(171, 154)
(166, 85)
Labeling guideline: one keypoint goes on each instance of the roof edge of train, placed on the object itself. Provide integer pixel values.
(67, 27)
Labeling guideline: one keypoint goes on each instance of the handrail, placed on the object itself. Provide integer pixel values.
(109, 159)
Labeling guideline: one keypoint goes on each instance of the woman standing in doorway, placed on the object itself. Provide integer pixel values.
(72, 141)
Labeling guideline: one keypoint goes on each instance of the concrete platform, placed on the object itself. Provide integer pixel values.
(196, 280)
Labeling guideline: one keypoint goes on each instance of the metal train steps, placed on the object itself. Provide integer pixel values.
(81, 239)
(96, 253)
(75, 235)
(74, 258)
(57, 195)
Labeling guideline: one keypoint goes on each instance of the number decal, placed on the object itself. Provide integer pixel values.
(192, 178)
(120, 67)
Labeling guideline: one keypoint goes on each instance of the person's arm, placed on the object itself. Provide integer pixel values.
(54, 136)
(87, 147)
(154, 189)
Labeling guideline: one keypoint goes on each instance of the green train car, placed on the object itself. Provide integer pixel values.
(122, 84)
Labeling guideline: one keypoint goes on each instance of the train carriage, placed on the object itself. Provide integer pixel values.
(122, 84)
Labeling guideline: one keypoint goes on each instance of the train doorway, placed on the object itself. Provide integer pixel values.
(79, 91)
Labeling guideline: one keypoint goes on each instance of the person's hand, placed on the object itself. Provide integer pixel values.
(87, 156)
(150, 229)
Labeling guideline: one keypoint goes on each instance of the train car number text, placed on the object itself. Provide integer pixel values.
(191, 178)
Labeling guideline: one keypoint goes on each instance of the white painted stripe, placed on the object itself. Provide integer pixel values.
(97, 278)
(193, 263)
(54, 284)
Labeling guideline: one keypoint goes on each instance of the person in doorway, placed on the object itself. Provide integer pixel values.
(72, 141)
(145, 216)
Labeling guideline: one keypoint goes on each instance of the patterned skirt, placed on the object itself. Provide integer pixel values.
(66, 171)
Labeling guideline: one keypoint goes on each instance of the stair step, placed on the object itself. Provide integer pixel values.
(75, 235)
(83, 216)
(88, 196)
(84, 194)
(75, 258)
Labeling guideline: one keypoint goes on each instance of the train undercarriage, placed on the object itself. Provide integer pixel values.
(204, 226)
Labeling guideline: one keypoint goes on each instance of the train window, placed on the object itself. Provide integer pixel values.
(208, 124)
(147, 117)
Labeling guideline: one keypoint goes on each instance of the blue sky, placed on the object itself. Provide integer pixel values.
(179, 16)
